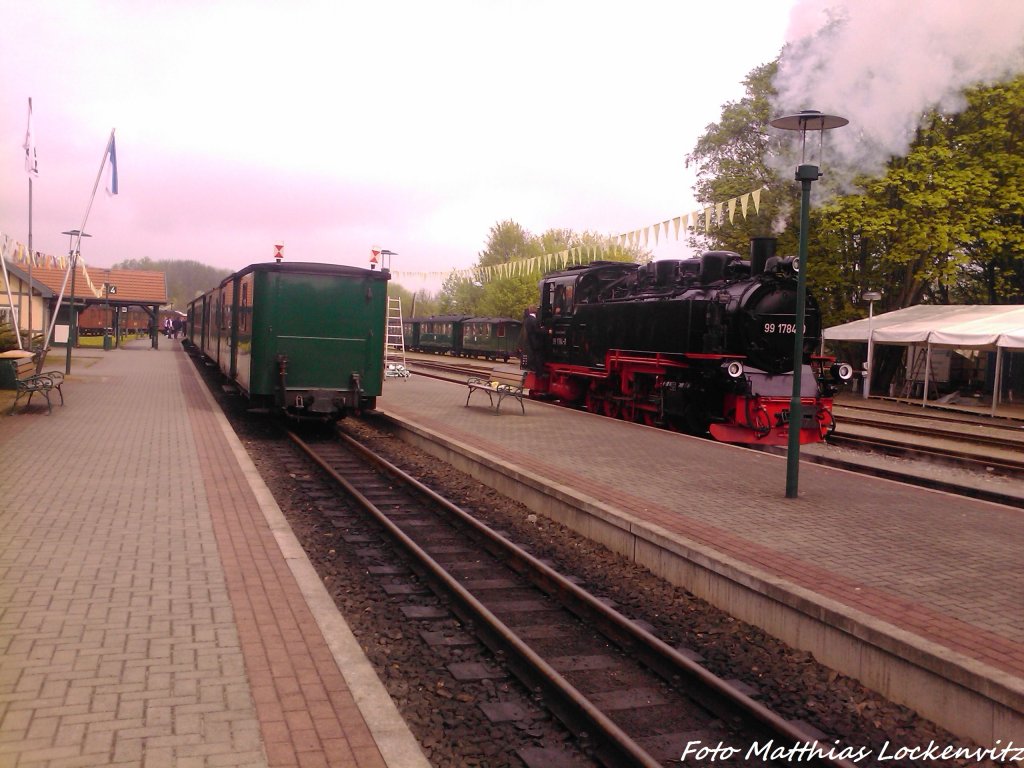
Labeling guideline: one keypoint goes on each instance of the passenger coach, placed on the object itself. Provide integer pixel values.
(463, 336)
(303, 338)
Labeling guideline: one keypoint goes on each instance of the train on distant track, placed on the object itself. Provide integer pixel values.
(304, 339)
(463, 336)
(702, 345)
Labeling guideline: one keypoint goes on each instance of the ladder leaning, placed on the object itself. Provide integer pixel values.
(394, 344)
(920, 362)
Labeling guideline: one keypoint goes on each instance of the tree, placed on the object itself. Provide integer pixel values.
(510, 292)
(414, 303)
(943, 225)
(731, 159)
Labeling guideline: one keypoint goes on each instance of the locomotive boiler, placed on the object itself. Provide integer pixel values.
(701, 345)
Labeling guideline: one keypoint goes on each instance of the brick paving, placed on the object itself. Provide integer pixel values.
(147, 614)
(943, 568)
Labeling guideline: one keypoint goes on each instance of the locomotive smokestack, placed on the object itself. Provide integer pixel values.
(761, 249)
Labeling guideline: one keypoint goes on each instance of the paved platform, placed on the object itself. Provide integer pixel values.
(904, 588)
(155, 609)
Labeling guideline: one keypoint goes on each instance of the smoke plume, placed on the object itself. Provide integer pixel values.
(884, 63)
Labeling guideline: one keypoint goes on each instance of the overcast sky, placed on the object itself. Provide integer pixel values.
(336, 126)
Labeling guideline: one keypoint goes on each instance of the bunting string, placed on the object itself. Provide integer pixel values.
(707, 217)
(18, 254)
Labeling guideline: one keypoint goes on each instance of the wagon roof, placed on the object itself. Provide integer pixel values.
(312, 268)
(440, 318)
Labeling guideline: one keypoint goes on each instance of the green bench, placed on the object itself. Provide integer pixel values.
(28, 383)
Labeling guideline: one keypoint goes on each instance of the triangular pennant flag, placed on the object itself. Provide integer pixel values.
(647, 236)
(732, 209)
(744, 200)
(675, 223)
(707, 219)
(718, 214)
(756, 194)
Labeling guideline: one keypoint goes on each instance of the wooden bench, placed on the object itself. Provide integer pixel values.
(28, 382)
(503, 381)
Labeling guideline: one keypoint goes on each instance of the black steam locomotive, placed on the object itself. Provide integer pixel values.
(702, 345)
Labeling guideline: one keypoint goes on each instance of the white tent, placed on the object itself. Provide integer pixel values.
(966, 326)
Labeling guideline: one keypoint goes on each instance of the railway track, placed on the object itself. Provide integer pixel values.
(629, 698)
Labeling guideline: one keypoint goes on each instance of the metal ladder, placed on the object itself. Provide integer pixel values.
(918, 363)
(394, 346)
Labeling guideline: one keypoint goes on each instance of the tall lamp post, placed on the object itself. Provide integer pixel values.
(806, 174)
(871, 297)
(72, 317)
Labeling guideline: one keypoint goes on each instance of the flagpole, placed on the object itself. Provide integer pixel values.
(95, 186)
(75, 249)
(32, 168)
(30, 259)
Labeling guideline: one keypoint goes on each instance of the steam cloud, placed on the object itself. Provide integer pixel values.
(884, 63)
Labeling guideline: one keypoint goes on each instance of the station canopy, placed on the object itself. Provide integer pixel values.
(962, 326)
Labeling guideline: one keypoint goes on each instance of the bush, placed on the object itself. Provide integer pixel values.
(8, 336)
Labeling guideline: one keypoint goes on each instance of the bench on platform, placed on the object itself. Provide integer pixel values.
(28, 382)
(503, 381)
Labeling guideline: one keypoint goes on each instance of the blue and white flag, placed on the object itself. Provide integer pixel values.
(31, 162)
(112, 157)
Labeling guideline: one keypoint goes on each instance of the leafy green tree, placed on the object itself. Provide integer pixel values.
(459, 296)
(943, 225)
(414, 303)
(731, 159)
(508, 295)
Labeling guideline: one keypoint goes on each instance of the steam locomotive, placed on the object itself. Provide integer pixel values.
(701, 345)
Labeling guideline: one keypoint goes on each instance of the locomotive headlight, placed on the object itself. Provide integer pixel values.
(734, 369)
(843, 371)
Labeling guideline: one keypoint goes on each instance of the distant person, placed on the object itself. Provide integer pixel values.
(176, 327)
(168, 327)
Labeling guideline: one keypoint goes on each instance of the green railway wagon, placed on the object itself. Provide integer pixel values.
(490, 337)
(441, 334)
(303, 338)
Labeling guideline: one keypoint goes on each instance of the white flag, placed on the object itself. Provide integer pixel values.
(31, 161)
(112, 165)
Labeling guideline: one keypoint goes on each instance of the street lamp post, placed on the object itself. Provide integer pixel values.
(72, 317)
(806, 174)
(871, 297)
